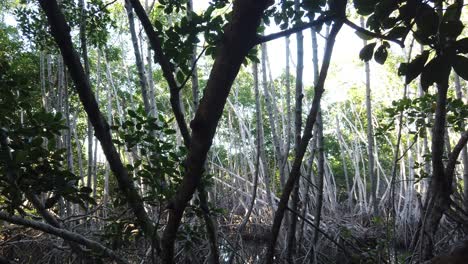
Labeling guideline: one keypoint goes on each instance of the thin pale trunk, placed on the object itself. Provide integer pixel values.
(139, 62)
(288, 110)
(78, 148)
(98, 74)
(257, 165)
(307, 135)
(464, 153)
(291, 239)
(84, 55)
(370, 136)
(194, 73)
(149, 71)
(259, 120)
(308, 184)
(343, 161)
(271, 119)
(320, 176)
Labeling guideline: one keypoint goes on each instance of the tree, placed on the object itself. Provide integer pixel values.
(152, 179)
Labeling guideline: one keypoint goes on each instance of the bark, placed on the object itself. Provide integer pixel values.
(138, 59)
(96, 247)
(453, 156)
(311, 118)
(320, 158)
(210, 226)
(61, 33)
(321, 155)
(440, 188)
(320, 175)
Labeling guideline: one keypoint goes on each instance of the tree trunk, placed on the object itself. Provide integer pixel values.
(291, 245)
(194, 73)
(370, 136)
(320, 176)
(239, 37)
(139, 62)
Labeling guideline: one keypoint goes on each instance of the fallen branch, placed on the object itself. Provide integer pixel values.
(65, 234)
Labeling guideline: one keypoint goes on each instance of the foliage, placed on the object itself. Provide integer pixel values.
(30, 158)
(33, 23)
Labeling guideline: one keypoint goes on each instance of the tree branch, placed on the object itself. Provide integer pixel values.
(262, 39)
(194, 64)
(372, 34)
(452, 159)
(65, 234)
(61, 33)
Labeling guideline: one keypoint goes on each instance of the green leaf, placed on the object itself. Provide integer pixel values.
(437, 70)
(462, 45)
(363, 35)
(132, 113)
(452, 13)
(367, 52)
(402, 69)
(381, 54)
(421, 38)
(415, 67)
(364, 7)
(20, 156)
(427, 20)
(460, 65)
(86, 190)
(397, 32)
(384, 8)
(180, 76)
(389, 22)
(37, 141)
(451, 29)
(407, 11)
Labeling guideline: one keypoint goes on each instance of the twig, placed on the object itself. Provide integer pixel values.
(288, 32)
(194, 64)
(372, 34)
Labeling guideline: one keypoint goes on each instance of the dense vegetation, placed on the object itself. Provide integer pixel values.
(172, 132)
